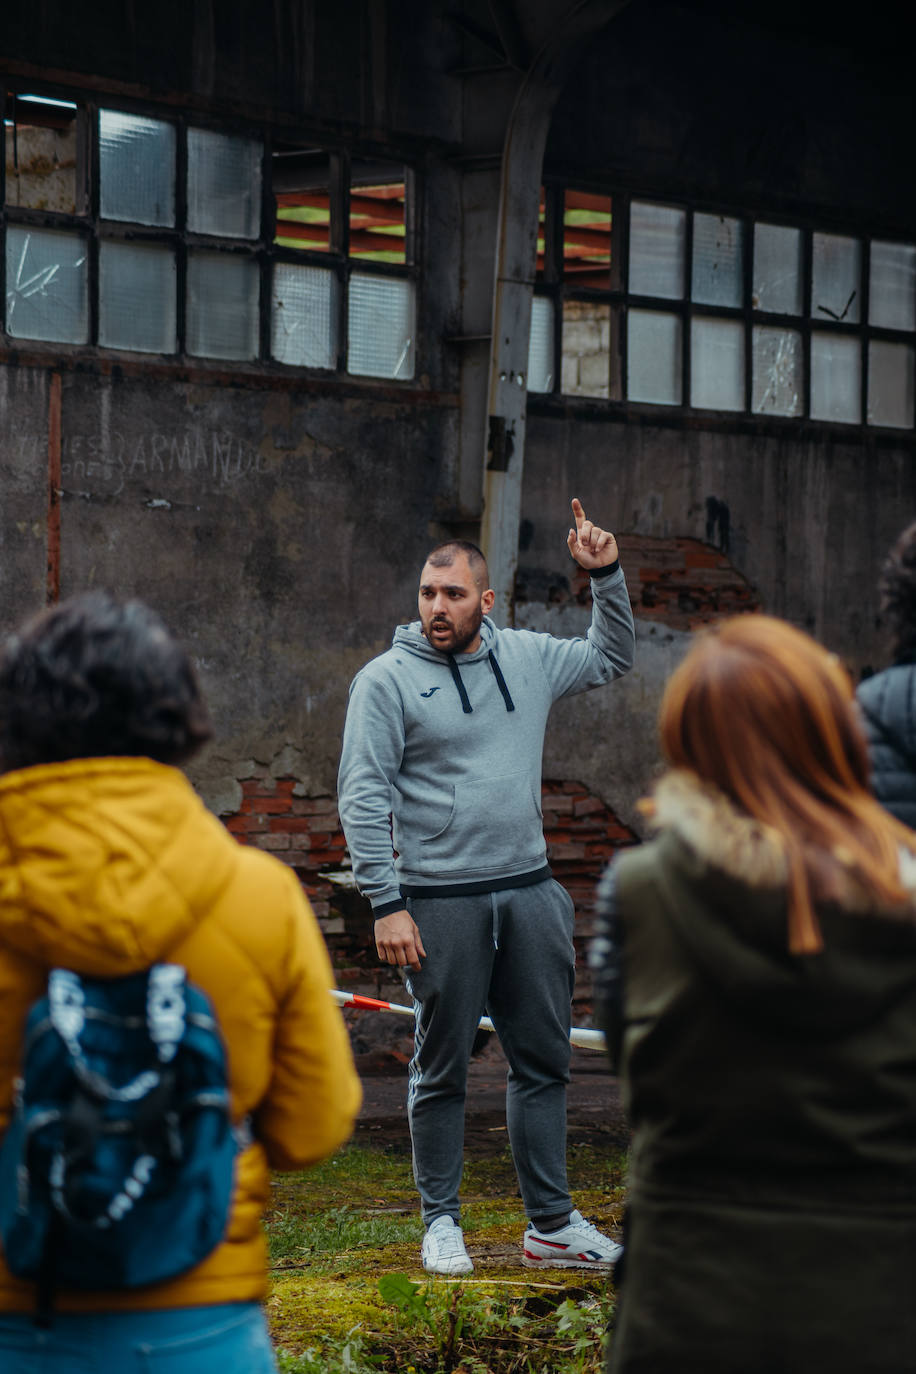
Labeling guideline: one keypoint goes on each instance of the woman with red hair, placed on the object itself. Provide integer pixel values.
(757, 972)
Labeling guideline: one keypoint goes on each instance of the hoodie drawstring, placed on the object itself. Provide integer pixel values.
(466, 706)
(501, 681)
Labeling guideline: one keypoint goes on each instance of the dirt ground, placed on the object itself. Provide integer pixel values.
(594, 1111)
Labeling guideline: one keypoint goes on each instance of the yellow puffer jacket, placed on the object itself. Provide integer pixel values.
(108, 865)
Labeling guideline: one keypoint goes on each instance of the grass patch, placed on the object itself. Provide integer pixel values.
(348, 1293)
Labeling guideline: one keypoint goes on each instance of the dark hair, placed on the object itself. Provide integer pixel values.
(97, 677)
(897, 586)
(444, 555)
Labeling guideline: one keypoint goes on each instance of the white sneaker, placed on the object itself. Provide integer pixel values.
(443, 1248)
(578, 1245)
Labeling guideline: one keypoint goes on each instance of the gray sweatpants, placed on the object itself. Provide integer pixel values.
(509, 954)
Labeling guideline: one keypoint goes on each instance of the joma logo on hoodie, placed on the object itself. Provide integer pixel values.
(430, 692)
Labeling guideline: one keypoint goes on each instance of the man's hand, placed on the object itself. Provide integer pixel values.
(397, 940)
(590, 546)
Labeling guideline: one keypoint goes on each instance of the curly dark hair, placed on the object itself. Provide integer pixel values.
(98, 677)
(897, 588)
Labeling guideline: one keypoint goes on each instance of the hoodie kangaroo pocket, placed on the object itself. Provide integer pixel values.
(492, 821)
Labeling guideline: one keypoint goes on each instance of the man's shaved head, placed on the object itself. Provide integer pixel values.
(444, 555)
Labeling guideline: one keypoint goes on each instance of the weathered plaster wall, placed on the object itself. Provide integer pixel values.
(23, 492)
(279, 536)
(810, 520)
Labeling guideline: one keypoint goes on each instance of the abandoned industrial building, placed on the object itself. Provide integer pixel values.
(291, 292)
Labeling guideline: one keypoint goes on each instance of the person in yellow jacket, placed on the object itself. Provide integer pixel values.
(109, 862)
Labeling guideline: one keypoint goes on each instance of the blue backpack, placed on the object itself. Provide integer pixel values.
(117, 1168)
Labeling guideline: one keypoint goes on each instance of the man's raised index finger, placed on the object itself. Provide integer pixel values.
(578, 512)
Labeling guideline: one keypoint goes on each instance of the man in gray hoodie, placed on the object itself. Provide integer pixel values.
(442, 749)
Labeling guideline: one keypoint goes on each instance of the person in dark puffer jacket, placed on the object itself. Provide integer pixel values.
(888, 700)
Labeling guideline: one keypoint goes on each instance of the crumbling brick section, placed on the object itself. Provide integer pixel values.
(305, 832)
(684, 583)
(302, 831)
(583, 835)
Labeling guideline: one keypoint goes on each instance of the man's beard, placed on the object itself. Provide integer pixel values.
(463, 634)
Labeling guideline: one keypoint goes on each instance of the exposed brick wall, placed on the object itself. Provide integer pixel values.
(684, 583)
(582, 836)
(305, 832)
(302, 831)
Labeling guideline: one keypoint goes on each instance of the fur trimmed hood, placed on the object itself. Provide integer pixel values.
(719, 880)
(726, 838)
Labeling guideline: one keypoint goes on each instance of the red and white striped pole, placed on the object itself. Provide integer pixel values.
(581, 1036)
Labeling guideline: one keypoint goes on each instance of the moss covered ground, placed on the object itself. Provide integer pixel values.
(348, 1292)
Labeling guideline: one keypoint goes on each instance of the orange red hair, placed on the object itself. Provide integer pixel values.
(768, 716)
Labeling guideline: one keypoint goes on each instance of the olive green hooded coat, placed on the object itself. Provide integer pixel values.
(772, 1098)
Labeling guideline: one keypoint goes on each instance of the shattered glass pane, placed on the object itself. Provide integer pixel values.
(41, 157)
(137, 297)
(301, 185)
(46, 285)
(836, 377)
(891, 299)
(717, 364)
(657, 238)
(890, 384)
(777, 270)
(718, 260)
(778, 371)
(381, 327)
(586, 349)
(587, 223)
(304, 316)
(222, 306)
(836, 278)
(654, 357)
(224, 184)
(136, 168)
(378, 210)
(540, 345)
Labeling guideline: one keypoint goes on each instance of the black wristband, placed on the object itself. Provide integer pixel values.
(605, 572)
(387, 909)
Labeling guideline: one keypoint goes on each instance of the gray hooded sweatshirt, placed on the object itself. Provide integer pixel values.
(450, 747)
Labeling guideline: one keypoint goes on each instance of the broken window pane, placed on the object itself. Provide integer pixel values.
(891, 300)
(136, 168)
(778, 372)
(304, 316)
(890, 384)
(46, 285)
(654, 357)
(540, 345)
(717, 364)
(224, 184)
(587, 241)
(41, 154)
(586, 349)
(718, 260)
(137, 297)
(301, 183)
(777, 270)
(836, 377)
(836, 278)
(657, 237)
(381, 327)
(377, 212)
(222, 306)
